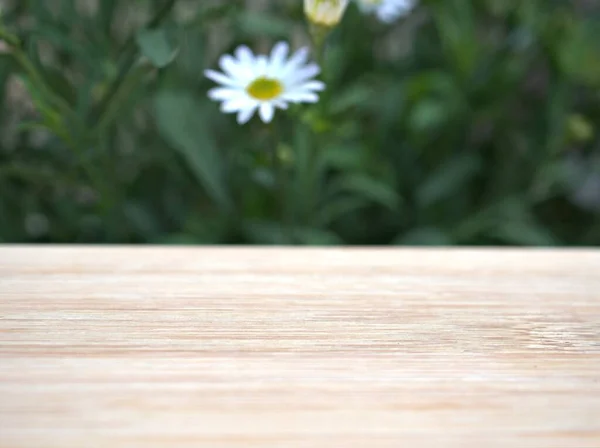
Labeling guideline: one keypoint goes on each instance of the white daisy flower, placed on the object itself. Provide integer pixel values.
(326, 13)
(264, 83)
(387, 10)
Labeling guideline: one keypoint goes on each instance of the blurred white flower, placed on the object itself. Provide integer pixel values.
(264, 83)
(327, 13)
(387, 10)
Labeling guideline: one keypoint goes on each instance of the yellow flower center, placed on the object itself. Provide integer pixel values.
(264, 89)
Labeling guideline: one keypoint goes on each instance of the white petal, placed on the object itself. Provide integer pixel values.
(266, 112)
(391, 10)
(234, 69)
(222, 79)
(261, 66)
(228, 64)
(300, 56)
(244, 55)
(278, 56)
(317, 86)
(388, 10)
(297, 60)
(387, 16)
(236, 104)
(300, 97)
(302, 74)
(223, 93)
(280, 104)
(244, 115)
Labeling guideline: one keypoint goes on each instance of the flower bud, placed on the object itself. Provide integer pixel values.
(325, 13)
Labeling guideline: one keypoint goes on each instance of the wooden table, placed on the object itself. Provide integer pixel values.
(251, 347)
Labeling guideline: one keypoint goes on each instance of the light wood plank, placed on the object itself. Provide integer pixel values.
(252, 347)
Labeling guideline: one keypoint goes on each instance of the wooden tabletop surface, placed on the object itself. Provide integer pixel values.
(250, 347)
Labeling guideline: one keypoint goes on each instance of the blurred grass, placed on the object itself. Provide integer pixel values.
(466, 123)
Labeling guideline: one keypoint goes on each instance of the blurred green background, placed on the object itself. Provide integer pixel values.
(465, 123)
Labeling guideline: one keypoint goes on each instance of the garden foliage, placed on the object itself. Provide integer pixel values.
(464, 123)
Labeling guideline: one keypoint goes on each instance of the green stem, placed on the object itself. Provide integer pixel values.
(96, 177)
(313, 181)
(130, 53)
(8, 38)
(36, 175)
(35, 77)
(281, 186)
(281, 190)
(75, 143)
(112, 108)
(319, 36)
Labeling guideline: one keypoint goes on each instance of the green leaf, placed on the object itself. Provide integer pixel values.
(269, 232)
(316, 237)
(61, 85)
(181, 122)
(347, 157)
(369, 188)
(106, 14)
(191, 59)
(257, 24)
(522, 232)
(340, 207)
(355, 96)
(51, 117)
(64, 42)
(456, 24)
(448, 179)
(428, 115)
(578, 53)
(178, 239)
(125, 97)
(511, 221)
(142, 220)
(158, 45)
(27, 126)
(425, 236)
(266, 232)
(209, 228)
(40, 10)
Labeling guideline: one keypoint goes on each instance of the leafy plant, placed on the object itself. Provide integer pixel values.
(465, 123)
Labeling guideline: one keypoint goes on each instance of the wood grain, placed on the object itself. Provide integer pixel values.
(250, 347)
